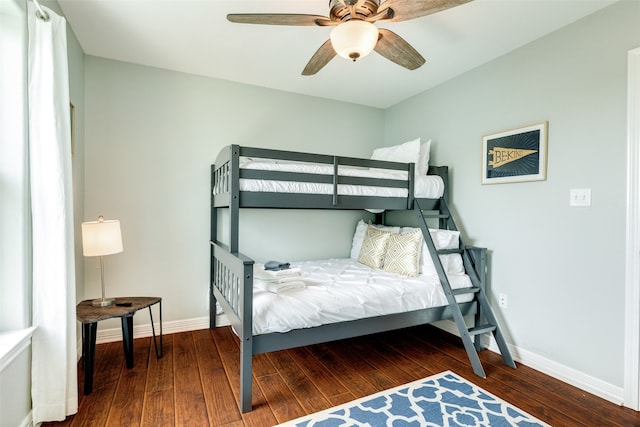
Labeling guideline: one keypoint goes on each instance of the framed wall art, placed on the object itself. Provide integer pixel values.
(515, 155)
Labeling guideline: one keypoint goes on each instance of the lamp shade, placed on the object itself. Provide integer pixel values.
(354, 39)
(101, 237)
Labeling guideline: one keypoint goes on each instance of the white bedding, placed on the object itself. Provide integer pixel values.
(339, 290)
(426, 186)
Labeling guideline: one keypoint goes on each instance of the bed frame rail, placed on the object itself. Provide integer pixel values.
(355, 328)
(226, 174)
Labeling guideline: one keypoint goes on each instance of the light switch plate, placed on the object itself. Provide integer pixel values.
(580, 197)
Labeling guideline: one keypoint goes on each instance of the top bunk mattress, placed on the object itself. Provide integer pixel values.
(338, 290)
(425, 186)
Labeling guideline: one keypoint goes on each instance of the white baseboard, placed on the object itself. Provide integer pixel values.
(556, 370)
(28, 421)
(553, 369)
(144, 330)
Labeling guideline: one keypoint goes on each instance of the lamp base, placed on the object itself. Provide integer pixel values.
(103, 302)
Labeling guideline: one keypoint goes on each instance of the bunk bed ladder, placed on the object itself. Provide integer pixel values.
(485, 320)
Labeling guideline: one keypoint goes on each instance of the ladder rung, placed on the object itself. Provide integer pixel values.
(481, 329)
(435, 215)
(449, 251)
(464, 291)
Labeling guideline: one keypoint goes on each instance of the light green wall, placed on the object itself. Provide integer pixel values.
(76, 95)
(561, 267)
(151, 136)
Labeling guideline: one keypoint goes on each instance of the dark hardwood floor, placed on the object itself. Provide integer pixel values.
(196, 382)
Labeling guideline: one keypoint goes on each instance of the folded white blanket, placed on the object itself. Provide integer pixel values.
(260, 273)
(277, 287)
(279, 279)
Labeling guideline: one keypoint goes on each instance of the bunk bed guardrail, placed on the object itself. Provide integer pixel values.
(228, 161)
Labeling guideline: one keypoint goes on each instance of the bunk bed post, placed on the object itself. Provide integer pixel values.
(445, 214)
(246, 336)
(442, 172)
(212, 238)
(234, 199)
(411, 185)
(335, 181)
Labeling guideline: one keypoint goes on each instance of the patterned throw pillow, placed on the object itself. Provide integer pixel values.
(373, 247)
(358, 236)
(403, 253)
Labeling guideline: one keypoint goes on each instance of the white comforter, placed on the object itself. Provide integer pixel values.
(338, 290)
(426, 186)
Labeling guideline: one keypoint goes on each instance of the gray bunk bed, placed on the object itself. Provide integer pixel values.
(231, 272)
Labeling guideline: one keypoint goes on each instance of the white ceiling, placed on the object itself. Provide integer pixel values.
(193, 36)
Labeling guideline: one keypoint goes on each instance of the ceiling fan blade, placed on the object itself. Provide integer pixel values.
(279, 19)
(403, 10)
(396, 49)
(319, 59)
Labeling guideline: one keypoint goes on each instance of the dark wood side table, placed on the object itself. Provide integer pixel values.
(89, 316)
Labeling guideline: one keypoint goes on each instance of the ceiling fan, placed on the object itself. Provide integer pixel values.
(355, 34)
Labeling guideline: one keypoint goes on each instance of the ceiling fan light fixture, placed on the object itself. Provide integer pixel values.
(354, 39)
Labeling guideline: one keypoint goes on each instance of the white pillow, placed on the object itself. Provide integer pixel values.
(358, 236)
(442, 239)
(445, 239)
(409, 152)
(452, 264)
(374, 247)
(423, 159)
(403, 253)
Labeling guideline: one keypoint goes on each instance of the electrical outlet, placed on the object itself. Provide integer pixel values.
(502, 300)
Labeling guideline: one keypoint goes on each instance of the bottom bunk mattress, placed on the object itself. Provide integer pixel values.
(314, 293)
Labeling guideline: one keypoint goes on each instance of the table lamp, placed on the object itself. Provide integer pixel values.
(99, 238)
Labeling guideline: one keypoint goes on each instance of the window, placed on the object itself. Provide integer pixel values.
(15, 268)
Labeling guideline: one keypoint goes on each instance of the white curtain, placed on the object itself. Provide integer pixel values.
(54, 377)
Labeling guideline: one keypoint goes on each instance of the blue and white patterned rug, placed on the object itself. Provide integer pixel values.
(444, 399)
